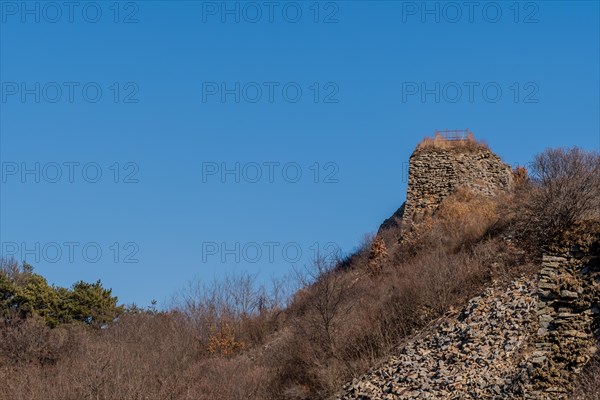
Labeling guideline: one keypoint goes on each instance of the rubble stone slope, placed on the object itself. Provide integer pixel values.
(528, 341)
(474, 355)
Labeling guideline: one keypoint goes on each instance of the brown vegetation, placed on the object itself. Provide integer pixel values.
(220, 344)
(234, 339)
(429, 143)
(562, 192)
(588, 386)
(378, 257)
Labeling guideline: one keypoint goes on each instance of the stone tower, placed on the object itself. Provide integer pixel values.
(439, 166)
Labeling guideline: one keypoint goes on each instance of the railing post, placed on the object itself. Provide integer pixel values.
(454, 135)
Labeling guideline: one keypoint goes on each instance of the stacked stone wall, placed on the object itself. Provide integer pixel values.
(434, 173)
(569, 295)
(528, 341)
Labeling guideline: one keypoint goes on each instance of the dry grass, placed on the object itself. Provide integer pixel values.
(588, 385)
(234, 339)
(460, 220)
(217, 346)
(462, 145)
(350, 317)
(140, 357)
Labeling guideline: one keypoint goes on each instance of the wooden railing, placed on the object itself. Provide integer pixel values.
(456, 135)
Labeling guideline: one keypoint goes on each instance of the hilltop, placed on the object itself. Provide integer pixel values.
(483, 285)
(438, 167)
(529, 338)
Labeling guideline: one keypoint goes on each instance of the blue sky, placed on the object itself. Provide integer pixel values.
(119, 119)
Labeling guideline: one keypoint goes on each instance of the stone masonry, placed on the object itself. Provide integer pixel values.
(569, 293)
(434, 173)
(528, 341)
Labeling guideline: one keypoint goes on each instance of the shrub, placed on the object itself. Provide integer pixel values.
(588, 385)
(31, 341)
(26, 294)
(460, 220)
(378, 256)
(236, 339)
(564, 190)
(223, 342)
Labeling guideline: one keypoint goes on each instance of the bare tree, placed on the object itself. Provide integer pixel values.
(565, 191)
(330, 302)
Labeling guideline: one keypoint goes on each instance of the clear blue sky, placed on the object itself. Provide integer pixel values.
(168, 122)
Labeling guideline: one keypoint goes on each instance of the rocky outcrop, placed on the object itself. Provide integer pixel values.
(569, 296)
(473, 355)
(394, 221)
(435, 172)
(527, 341)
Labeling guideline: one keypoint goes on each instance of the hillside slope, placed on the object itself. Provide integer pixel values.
(486, 288)
(470, 355)
(527, 341)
